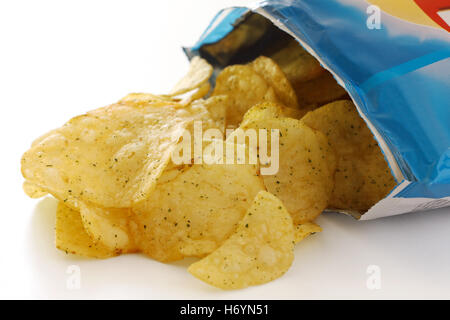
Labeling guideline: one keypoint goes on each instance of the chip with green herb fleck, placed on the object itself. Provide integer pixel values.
(260, 250)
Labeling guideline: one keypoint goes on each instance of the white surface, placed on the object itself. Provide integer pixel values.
(59, 59)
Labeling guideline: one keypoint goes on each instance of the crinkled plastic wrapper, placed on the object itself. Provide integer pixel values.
(393, 59)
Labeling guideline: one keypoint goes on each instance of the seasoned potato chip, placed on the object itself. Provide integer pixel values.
(108, 227)
(33, 191)
(245, 88)
(194, 209)
(265, 110)
(259, 251)
(304, 180)
(196, 94)
(301, 231)
(216, 108)
(319, 91)
(298, 65)
(143, 99)
(362, 176)
(269, 110)
(111, 156)
(72, 238)
(271, 72)
(198, 74)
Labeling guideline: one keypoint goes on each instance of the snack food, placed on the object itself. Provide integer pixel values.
(194, 209)
(132, 176)
(259, 251)
(245, 88)
(306, 167)
(71, 236)
(362, 176)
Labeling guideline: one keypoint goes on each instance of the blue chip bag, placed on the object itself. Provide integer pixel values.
(392, 58)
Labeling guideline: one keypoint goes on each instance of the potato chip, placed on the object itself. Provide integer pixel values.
(72, 238)
(259, 251)
(362, 176)
(111, 156)
(143, 99)
(198, 74)
(245, 89)
(33, 191)
(269, 110)
(298, 65)
(301, 231)
(194, 209)
(265, 110)
(108, 227)
(304, 180)
(196, 94)
(216, 108)
(319, 91)
(271, 72)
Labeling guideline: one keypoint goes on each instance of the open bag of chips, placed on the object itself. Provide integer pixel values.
(269, 128)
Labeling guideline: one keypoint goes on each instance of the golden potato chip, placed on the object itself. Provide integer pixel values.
(259, 251)
(212, 113)
(301, 231)
(72, 238)
(194, 209)
(198, 74)
(143, 99)
(304, 180)
(269, 110)
(298, 65)
(111, 156)
(33, 191)
(362, 176)
(319, 91)
(245, 88)
(271, 72)
(108, 227)
(196, 94)
(216, 108)
(265, 110)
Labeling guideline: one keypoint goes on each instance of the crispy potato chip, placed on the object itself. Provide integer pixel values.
(304, 180)
(198, 74)
(33, 191)
(108, 227)
(72, 238)
(213, 116)
(216, 108)
(111, 156)
(271, 72)
(259, 251)
(143, 99)
(269, 110)
(196, 94)
(319, 91)
(194, 209)
(245, 88)
(301, 231)
(265, 110)
(298, 65)
(362, 176)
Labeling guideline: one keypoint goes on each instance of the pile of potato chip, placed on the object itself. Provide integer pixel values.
(119, 191)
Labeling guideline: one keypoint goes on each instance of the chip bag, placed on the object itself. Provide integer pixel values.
(392, 58)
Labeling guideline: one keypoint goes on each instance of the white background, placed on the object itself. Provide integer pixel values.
(59, 59)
